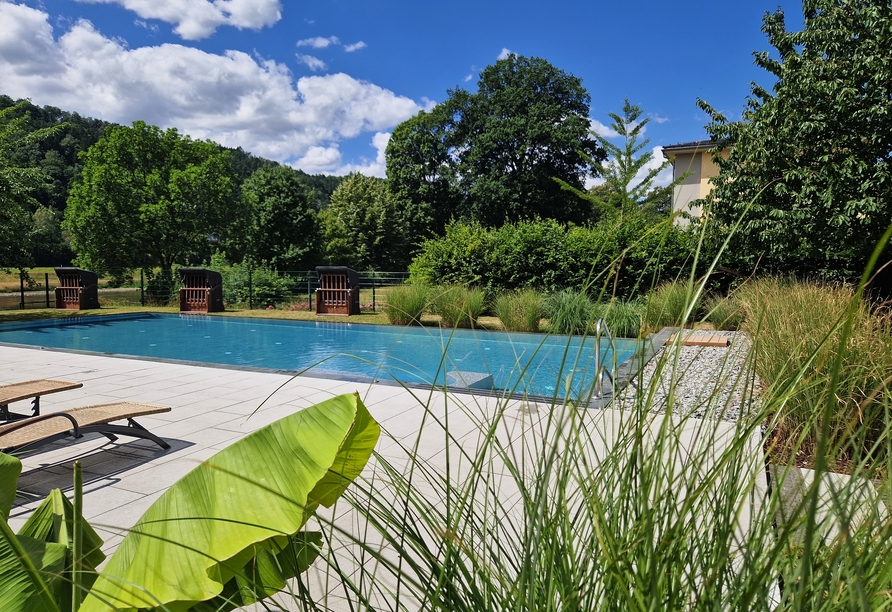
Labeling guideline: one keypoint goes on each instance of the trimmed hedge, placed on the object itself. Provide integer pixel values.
(623, 259)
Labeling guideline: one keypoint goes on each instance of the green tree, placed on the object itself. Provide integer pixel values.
(624, 193)
(17, 184)
(282, 230)
(421, 170)
(492, 156)
(148, 198)
(809, 169)
(365, 227)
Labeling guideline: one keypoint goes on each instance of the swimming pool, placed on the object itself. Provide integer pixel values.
(519, 363)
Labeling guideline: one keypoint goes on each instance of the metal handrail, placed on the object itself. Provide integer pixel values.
(601, 329)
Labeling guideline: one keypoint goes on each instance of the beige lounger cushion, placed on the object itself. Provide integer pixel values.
(33, 388)
(40, 427)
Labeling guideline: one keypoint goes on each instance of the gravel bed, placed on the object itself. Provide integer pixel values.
(706, 381)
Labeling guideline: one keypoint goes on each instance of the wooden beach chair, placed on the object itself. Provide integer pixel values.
(31, 433)
(30, 389)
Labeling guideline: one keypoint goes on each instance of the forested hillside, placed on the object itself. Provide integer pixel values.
(57, 156)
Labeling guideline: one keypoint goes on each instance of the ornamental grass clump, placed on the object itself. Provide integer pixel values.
(569, 312)
(519, 311)
(670, 305)
(406, 304)
(826, 355)
(459, 306)
(725, 313)
(623, 318)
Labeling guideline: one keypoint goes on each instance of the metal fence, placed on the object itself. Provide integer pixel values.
(297, 289)
(243, 287)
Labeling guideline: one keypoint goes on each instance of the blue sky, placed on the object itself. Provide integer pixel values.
(321, 85)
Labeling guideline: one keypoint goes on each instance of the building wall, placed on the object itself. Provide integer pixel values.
(689, 189)
(700, 169)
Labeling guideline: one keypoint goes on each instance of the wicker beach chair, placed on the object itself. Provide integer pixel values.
(31, 433)
(30, 389)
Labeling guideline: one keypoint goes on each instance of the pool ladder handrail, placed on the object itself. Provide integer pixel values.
(601, 330)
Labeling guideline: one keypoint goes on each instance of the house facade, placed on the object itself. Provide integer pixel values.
(694, 160)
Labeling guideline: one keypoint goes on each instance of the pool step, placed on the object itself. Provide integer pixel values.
(469, 380)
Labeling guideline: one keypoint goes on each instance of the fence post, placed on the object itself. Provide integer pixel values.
(22, 288)
(309, 293)
(373, 292)
(142, 289)
(46, 286)
(250, 289)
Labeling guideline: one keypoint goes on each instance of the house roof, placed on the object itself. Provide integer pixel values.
(694, 146)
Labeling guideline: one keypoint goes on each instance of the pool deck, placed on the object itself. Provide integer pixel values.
(212, 407)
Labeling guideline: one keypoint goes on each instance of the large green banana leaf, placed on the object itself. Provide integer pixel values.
(53, 522)
(28, 567)
(227, 531)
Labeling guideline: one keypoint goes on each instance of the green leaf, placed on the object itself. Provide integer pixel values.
(29, 573)
(252, 496)
(52, 522)
(10, 469)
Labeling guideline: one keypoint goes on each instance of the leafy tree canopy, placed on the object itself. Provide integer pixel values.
(809, 171)
(492, 156)
(55, 154)
(628, 186)
(17, 184)
(149, 198)
(365, 226)
(282, 229)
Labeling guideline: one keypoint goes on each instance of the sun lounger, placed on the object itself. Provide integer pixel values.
(28, 389)
(30, 433)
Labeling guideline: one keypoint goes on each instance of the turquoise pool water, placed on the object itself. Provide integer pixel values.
(532, 364)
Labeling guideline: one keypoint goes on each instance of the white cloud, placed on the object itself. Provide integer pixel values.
(469, 77)
(313, 63)
(663, 178)
(659, 119)
(355, 47)
(376, 167)
(505, 54)
(602, 130)
(151, 27)
(197, 19)
(318, 160)
(319, 42)
(231, 98)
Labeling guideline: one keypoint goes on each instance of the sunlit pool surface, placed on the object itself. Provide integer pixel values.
(531, 364)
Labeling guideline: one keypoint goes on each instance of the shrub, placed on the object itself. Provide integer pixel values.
(459, 306)
(568, 312)
(242, 283)
(519, 311)
(621, 259)
(666, 305)
(406, 304)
